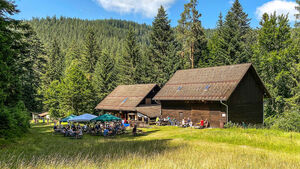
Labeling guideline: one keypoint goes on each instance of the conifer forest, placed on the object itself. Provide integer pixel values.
(67, 65)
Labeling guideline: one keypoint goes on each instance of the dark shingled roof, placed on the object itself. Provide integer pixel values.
(125, 97)
(209, 84)
(150, 110)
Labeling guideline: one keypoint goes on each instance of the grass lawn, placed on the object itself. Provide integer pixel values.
(159, 147)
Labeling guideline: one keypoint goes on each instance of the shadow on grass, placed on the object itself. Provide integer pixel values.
(43, 144)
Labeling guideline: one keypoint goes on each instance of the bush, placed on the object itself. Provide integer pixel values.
(289, 121)
(232, 125)
(14, 121)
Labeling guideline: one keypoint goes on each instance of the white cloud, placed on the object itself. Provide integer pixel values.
(280, 6)
(146, 7)
(231, 2)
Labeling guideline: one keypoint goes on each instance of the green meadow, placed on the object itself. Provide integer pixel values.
(157, 147)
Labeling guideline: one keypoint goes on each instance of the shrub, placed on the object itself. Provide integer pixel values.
(289, 121)
(14, 121)
(231, 125)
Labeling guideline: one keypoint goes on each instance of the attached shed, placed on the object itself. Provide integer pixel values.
(225, 93)
(129, 101)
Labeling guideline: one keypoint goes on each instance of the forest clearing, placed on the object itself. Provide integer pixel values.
(158, 147)
(150, 84)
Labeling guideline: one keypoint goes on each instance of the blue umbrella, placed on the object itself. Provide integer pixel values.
(82, 118)
(67, 118)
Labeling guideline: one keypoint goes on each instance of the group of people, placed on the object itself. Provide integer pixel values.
(70, 130)
(107, 129)
(184, 123)
(166, 121)
(102, 129)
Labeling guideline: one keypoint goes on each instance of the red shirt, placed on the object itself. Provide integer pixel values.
(201, 123)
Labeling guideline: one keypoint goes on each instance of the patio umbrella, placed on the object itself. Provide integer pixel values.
(106, 118)
(82, 118)
(67, 118)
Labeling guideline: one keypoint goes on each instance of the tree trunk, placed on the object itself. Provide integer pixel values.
(192, 56)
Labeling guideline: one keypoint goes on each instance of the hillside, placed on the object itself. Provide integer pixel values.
(109, 32)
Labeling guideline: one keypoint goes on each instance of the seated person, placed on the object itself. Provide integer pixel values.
(201, 124)
(71, 132)
(105, 132)
(78, 133)
(206, 124)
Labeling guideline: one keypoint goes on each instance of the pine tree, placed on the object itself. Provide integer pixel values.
(52, 99)
(217, 45)
(162, 49)
(91, 51)
(33, 66)
(234, 35)
(297, 24)
(104, 80)
(76, 92)
(73, 52)
(274, 56)
(191, 34)
(13, 69)
(55, 66)
(130, 60)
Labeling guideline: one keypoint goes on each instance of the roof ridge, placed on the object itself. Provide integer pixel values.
(216, 67)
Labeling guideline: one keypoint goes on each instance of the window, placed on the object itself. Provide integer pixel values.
(124, 100)
(181, 115)
(207, 87)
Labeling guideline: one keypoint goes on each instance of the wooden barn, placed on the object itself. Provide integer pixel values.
(220, 94)
(132, 102)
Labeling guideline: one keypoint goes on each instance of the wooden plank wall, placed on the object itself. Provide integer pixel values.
(246, 102)
(196, 111)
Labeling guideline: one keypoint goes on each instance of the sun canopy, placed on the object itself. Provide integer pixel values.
(106, 118)
(67, 118)
(82, 118)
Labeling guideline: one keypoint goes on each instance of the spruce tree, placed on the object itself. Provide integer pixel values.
(33, 66)
(191, 35)
(76, 91)
(104, 80)
(131, 59)
(274, 56)
(91, 51)
(55, 66)
(14, 67)
(234, 35)
(73, 52)
(297, 23)
(162, 49)
(217, 45)
(52, 99)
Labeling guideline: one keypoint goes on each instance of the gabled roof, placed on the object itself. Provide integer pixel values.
(209, 84)
(43, 114)
(126, 97)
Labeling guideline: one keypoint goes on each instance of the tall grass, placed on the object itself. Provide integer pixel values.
(159, 147)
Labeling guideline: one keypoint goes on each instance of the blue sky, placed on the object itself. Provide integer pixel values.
(143, 11)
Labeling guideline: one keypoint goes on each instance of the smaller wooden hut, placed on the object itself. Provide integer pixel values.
(132, 102)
